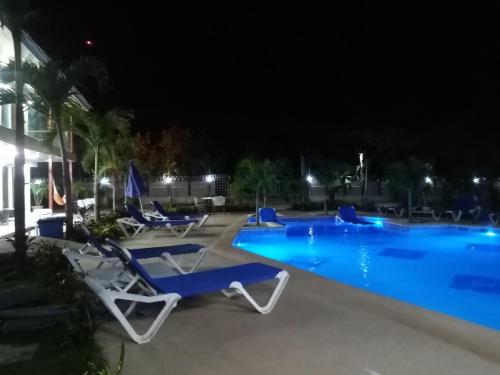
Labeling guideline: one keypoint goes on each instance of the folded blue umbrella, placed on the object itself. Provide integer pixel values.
(135, 185)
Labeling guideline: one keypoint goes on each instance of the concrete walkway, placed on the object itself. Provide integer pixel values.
(318, 327)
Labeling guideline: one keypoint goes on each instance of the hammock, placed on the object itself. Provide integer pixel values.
(57, 197)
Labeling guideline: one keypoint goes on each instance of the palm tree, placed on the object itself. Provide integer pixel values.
(268, 179)
(407, 177)
(332, 176)
(14, 14)
(99, 130)
(52, 92)
(115, 159)
(254, 176)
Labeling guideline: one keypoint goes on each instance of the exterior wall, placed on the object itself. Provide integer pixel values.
(35, 127)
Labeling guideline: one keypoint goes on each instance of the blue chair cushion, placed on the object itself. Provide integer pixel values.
(208, 281)
(348, 214)
(268, 215)
(156, 252)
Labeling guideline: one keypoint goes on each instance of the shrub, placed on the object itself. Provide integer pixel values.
(106, 227)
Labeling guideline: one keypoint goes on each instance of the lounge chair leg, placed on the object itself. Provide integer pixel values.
(202, 254)
(109, 299)
(282, 276)
(181, 233)
(457, 217)
(203, 220)
(172, 262)
(170, 304)
(123, 228)
(493, 220)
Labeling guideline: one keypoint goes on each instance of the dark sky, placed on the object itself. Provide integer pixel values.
(306, 72)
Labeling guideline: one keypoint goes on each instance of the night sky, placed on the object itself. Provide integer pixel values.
(304, 74)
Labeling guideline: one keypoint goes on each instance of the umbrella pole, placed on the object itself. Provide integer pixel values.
(140, 203)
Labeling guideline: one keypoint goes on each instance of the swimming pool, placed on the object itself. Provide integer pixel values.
(450, 269)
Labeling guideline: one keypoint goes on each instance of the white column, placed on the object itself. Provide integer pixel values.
(1, 187)
(10, 187)
(27, 191)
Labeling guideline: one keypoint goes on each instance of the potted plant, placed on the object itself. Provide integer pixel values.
(39, 191)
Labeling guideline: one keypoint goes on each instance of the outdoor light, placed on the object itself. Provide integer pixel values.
(310, 178)
(168, 179)
(89, 43)
(209, 178)
(476, 180)
(104, 181)
(428, 180)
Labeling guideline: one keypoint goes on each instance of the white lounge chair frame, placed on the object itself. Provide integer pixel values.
(109, 296)
(131, 228)
(168, 258)
(494, 218)
(114, 275)
(172, 262)
(457, 215)
(436, 216)
(157, 216)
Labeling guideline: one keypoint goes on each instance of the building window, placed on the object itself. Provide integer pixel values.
(6, 116)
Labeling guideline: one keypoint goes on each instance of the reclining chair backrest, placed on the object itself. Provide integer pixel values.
(268, 215)
(159, 208)
(136, 215)
(347, 213)
(132, 263)
(96, 242)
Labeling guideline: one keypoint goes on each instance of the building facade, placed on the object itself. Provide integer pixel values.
(40, 144)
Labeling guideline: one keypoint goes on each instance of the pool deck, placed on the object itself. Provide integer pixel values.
(318, 327)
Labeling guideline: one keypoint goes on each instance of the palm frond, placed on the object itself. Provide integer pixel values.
(7, 96)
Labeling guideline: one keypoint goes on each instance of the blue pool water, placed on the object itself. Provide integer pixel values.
(453, 270)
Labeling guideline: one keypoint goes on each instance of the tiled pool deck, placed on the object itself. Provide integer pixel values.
(317, 327)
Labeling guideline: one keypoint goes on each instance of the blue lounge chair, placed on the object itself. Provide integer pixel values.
(347, 214)
(137, 224)
(167, 254)
(169, 290)
(161, 214)
(465, 205)
(268, 215)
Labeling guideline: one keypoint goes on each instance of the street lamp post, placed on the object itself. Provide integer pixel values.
(168, 180)
(209, 179)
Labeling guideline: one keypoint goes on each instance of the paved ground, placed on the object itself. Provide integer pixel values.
(317, 327)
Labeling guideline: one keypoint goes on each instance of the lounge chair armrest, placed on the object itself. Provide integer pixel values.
(154, 216)
(94, 258)
(144, 299)
(101, 291)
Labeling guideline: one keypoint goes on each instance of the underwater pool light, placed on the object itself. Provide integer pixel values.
(490, 233)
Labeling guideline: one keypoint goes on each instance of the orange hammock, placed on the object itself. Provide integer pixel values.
(57, 197)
